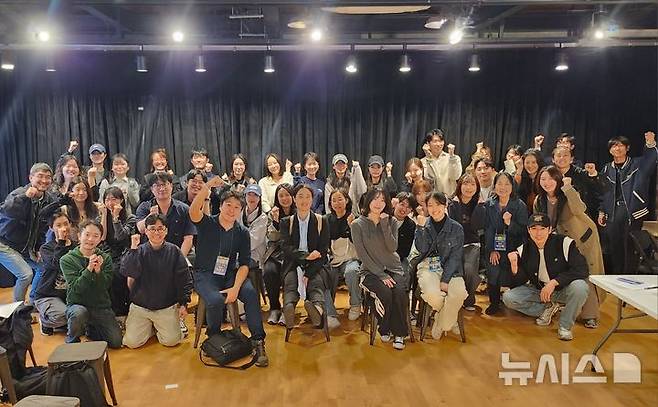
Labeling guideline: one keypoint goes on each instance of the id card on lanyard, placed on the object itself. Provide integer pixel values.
(500, 242)
(221, 264)
(434, 263)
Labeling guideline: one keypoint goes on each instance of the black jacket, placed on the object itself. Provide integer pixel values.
(22, 226)
(292, 256)
(470, 216)
(52, 283)
(590, 189)
(574, 267)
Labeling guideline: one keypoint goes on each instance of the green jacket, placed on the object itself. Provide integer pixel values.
(85, 287)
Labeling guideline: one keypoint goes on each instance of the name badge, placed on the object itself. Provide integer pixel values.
(435, 264)
(500, 243)
(221, 265)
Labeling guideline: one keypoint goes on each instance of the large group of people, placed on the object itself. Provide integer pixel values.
(114, 259)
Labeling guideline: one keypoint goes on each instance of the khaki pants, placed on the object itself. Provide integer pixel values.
(446, 305)
(141, 322)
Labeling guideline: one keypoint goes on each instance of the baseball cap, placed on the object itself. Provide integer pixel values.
(253, 188)
(376, 159)
(97, 147)
(339, 157)
(539, 219)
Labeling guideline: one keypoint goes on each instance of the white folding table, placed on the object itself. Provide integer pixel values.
(644, 299)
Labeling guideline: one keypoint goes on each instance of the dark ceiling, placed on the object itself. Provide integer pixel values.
(150, 22)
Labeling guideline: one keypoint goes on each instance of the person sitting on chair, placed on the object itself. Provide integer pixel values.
(88, 274)
(222, 242)
(440, 241)
(50, 291)
(160, 286)
(556, 272)
(305, 242)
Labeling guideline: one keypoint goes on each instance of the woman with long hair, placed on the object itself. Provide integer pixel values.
(341, 177)
(526, 186)
(568, 216)
(275, 174)
(239, 177)
(159, 164)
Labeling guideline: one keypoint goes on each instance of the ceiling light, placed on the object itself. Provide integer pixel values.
(475, 64)
(317, 34)
(456, 36)
(599, 34)
(269, 64)
(7, 61)
(178, 36)
(140, 61)
(351, 67)
(435, 22)
(200, 65)
(43, 36)
(562, 64)
(404, 64)
(297, 23)
(50, 63)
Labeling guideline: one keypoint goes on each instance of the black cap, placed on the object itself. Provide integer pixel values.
(539, 219)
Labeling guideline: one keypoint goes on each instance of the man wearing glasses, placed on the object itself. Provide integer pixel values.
(180, 230)
(23, 227)
(160, 286)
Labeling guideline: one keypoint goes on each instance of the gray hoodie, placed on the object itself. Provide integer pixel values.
(376, 246)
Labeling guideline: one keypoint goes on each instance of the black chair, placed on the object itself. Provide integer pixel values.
(325, 327)
(369, 317)
(200, 318)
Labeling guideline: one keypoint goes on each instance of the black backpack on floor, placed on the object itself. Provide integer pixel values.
(77, 379)
(227, 347)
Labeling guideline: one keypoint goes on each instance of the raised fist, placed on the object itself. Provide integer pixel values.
(73, 145)
(134, 241)
(451, 149)
(591, 169)
(507, 218)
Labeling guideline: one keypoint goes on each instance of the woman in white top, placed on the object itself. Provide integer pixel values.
(274, 176)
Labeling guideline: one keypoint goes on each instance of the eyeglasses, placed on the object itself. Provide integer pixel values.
(160, 229)
(160, 186)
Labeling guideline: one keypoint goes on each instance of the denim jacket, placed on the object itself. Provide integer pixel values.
(447, 244)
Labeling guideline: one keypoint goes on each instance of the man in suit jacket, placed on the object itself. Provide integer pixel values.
(549, 271)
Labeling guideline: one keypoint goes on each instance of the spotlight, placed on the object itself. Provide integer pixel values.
(317, 34)
(178, 36)
(140, 61)
(50, 63)
(456, 36)
(351, 67)
(7, 61)
(404, 64)
(562, 64)
(140, 108)
(475, 64)
(269, 64)
(200, 64)
(43, 36)
(298, 23)
(599, 34)
(435, 22)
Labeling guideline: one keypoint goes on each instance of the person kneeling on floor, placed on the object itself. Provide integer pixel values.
(557, 276)
(160, 286)
(88, 274)
(440, 241)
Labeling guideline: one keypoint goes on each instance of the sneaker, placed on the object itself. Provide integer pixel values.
(289, 315)
(546, 316)
(275, 316)
(183, 328)
(46, 331)
(333, 322)
(398, 343)
(436, 329)
(591, 323)
(492, 310)
(261, 357)
(282, 320)
(386, 338)
(314, 313)
(455, 330)
(354, 313)
(122, 322)
(564, 334)
(470, 308)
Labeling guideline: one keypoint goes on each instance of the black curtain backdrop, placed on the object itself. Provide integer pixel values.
(311, 104)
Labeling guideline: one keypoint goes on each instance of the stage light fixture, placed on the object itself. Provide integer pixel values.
(269, 64)
(200, 65)
(351, 67)
(7, 61)
(43, 36)
(317, 34)
(435, 22)
(599, 34)
(475, 63)
(405, 66)
(50, 63)
(178, 36)
(140, 61)
(562, 63)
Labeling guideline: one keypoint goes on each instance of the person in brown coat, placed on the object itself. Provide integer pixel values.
(568, 215)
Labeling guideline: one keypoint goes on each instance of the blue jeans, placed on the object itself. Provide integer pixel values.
(99, 324)
(209, 285)
(22, 267)
(525, 299)
(350, 270)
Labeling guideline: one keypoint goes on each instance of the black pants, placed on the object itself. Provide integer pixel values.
(273, 280)
(315, 286)
(617, 246)
(390, 304)
(119, 292)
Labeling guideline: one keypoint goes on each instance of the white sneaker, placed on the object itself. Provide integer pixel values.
(436, 329)
(398, 343)
(386, 338)
(564, 334)
(354, 313)
(455, 330)
(274, 317)
(546, 316)
(333, 322)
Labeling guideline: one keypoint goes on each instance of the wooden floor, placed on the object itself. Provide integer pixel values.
(308, 371)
